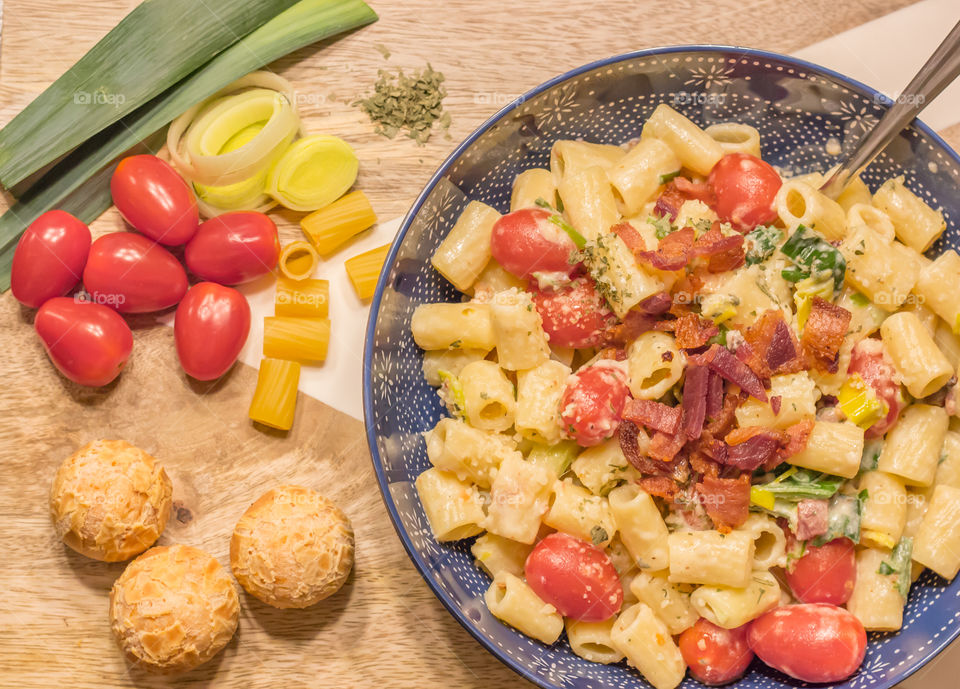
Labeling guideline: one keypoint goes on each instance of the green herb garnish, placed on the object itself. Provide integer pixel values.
(760, 244)
(812, 256)
(669, 176)
(900, 564)
(411, 103)
(598, 535)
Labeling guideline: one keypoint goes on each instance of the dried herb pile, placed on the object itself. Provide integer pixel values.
(407, 103)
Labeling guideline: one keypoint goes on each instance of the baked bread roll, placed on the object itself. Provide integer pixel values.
(292, 548)
(110, 500)
(173, 608)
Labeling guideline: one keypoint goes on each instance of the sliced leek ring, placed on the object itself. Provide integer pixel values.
(245, 195)
(201, 141)
(313, 172)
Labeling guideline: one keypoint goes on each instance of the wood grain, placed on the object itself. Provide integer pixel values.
(385, 628)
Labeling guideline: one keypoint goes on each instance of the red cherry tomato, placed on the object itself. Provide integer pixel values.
(526, 242)
(715, 655)
(88, 343)
(825, 574)
(234, 248)
(745, 187)
(152, 197)
(575, 577)
(49, 258)
(867, 360)
(574, 315)
(131, 274)
(592, 404)
(810, 642)
(210, 329)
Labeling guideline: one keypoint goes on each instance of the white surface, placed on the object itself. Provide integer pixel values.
(336, 382)
(885, 53)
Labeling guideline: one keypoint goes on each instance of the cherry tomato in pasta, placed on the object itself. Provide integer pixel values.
(810, 642)
(574, 315)
(526, 242)
(867, 359)
(715, 655)
(575, 577)
(745, 188)
(825, 574)
(592, 404)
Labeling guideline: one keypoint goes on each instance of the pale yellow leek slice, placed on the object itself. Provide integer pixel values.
(328, 228)
(275, 398)
(298, 260)
(199, 140)
(247, 195)
(302, 298)
(314, 172)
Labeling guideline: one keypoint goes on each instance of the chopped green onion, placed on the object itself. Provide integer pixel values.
(802, 484)
(144, 55)
(662, 226)
(760, 243)
(577, 238)
(306, 22)
(843, 518)
(669, 176)
(812, 256)
(543, 203)
(900, 564)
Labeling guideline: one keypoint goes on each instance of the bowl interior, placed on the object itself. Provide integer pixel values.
(801, 111)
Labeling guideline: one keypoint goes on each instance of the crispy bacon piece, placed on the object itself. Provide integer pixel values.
(628, 233)
(726, 500)
(628, 434)
(740, 435)
(673, 251)
(722, 362)
(692, 331)
(714, 395)
(799, 434)
(812, 519)
(823, 334)
(660, 486)
(704, 465)
(695, 191)
(634, 324)
(755, 452)
(770, 346)
(669, 202)
(722, 422)
(654, 415)
(724, 253)
(664, 447)
(695, 400)
(775, 403)
(686, 289)
(656, 304)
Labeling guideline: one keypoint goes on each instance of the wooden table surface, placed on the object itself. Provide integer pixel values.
(385, 628)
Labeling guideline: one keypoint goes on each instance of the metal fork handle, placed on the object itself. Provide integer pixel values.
(935, 75)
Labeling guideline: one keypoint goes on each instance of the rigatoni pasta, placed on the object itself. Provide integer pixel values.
(518, 331)
(915, 355)
(640, 172)
(834, 448)
(532, 185)
(457, 326)
(488, 401)
(734, 607)
(647, 645)
(539, 390)
(916, 224)
(464, 253)
(694, 147)
(937, 545)
(641, 527)
(912, 449)
(711, 557)
(591, 640)
(512, 601)
(800, 204)
(875, 600)
(452, 506)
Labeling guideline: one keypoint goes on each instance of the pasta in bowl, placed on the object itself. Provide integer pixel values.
(633, 384)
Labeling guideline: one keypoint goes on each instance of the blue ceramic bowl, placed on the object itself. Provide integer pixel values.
(798, 107)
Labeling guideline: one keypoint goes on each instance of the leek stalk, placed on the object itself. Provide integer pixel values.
(142, 56)
(306, 22)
